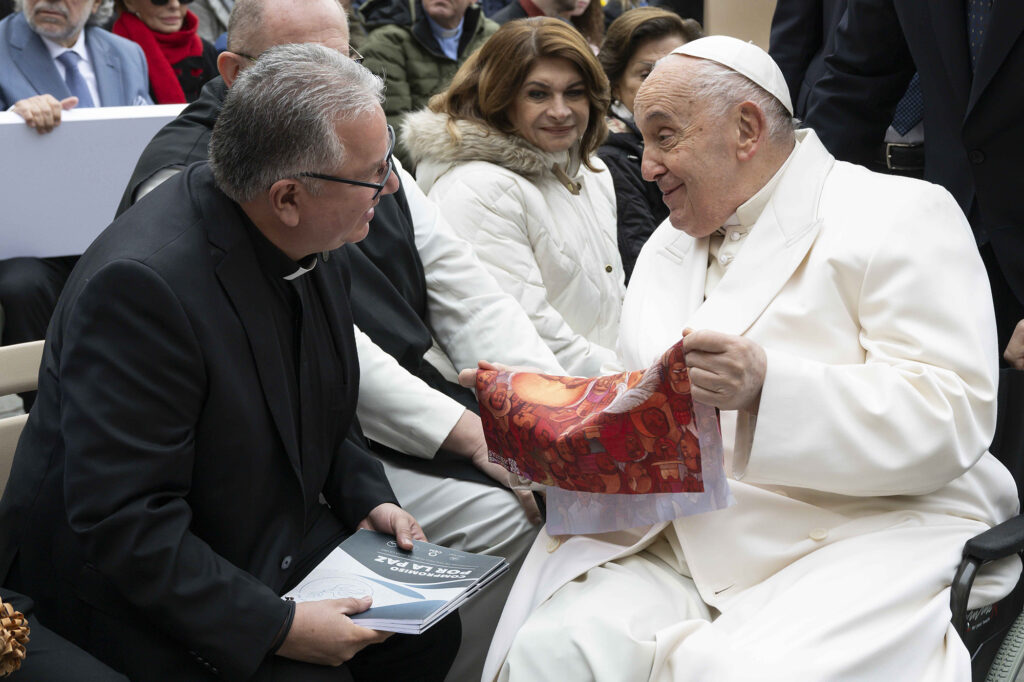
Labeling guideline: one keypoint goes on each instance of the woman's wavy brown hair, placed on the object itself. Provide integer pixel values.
(591, 23)
(485, 88)
(635, 27)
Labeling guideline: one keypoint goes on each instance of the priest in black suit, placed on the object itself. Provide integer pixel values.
(186, 461)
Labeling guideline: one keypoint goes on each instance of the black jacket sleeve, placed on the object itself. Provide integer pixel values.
(796, 36)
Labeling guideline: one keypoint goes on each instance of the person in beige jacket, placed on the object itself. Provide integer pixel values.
(841, 321)
(509, 158)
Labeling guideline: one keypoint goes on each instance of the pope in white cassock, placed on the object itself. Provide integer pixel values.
(842, 322)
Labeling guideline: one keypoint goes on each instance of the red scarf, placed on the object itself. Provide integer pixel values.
(162, 50)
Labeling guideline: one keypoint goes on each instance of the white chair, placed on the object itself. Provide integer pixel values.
(19, 371)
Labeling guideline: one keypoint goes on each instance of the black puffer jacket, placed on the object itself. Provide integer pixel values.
(640, 208)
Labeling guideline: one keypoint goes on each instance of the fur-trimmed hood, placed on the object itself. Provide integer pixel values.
(429, 141)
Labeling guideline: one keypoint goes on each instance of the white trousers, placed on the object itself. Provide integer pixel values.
(844, 612)
(474, 518)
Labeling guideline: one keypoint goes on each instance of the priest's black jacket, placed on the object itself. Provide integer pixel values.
(159, 502)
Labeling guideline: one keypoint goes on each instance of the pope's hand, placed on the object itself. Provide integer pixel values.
(726, 371)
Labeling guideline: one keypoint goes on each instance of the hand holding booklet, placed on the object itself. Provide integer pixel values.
(411, 590)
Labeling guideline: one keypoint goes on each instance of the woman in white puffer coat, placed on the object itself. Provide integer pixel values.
(507, 152)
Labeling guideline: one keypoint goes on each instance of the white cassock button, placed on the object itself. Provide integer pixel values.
(554, 543)
(735, 236)
(818, 534)
(724, 260)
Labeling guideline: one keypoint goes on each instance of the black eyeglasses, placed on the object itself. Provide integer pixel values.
(389, 160)
(352, 54)
(161, 3)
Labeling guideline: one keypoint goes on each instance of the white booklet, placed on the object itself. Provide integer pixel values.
(411, 590)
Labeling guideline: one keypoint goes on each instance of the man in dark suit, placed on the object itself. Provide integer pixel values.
(802, 36)
(970, 57)
(50, 61)
(186, 461)
(413, 281)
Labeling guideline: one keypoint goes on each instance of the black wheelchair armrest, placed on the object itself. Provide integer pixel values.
(996, 543)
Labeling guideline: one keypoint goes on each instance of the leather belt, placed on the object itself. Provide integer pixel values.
(899, 156)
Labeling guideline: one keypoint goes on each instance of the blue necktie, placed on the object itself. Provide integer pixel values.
(910, 109)
(73, 77)
(978, 12)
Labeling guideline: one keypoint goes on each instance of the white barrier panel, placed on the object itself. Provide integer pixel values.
(58, 191)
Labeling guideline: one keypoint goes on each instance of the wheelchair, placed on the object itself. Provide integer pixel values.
(994, 634)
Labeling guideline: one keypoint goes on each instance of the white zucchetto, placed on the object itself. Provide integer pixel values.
(744, 58)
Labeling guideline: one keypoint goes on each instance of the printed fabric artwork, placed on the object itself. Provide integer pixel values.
(632, 433)
(614, 452)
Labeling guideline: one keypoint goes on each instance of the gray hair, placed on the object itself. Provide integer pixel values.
(280, 115)
(720, 89)
(103, 13)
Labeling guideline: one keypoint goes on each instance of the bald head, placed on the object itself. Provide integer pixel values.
(257, 25)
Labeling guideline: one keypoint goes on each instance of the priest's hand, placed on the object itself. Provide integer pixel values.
(1014, 353)
(726, 371)
(391, 519)
(467, 439)
(322, 633)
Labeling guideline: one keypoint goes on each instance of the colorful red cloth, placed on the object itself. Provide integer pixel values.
(162, 51)
(628, 433)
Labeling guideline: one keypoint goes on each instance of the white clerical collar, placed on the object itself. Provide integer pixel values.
(56, 49)
(305, 265)
(751, 209)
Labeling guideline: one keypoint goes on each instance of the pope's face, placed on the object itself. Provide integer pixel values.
(687, 152)
(59, 20)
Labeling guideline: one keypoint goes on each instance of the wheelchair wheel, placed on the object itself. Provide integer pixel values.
(1008, 665)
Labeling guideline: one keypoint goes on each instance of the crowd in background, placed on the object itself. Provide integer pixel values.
(519, 190)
